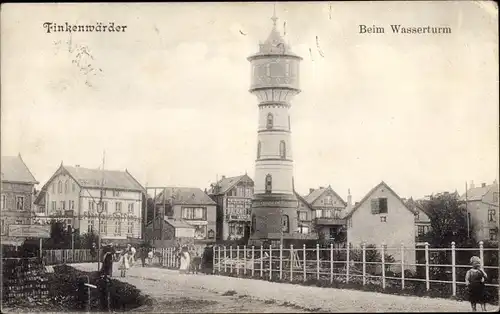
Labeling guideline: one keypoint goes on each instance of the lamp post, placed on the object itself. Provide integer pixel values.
(99, 212)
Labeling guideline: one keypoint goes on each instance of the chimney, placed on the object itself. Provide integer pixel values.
(311, 190)
(223, 177)
(349, 199)
(483, 185)
(471, 184)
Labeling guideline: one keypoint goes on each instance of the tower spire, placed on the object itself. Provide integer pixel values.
(274, 18)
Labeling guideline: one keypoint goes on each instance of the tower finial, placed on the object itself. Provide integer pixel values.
(274, 18)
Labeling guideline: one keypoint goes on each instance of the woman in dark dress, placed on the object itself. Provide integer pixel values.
(107, 263)
(474, 279)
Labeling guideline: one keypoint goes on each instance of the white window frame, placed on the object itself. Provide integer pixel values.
(20, 197)
(4, 201)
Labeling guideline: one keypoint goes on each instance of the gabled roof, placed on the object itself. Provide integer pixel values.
(415, 205)
(477, 193)
(178, 223)
(93, 178)
(183, 195)
(227, 183)
(15, 170)
(303, 200)
(314, 195)
(367, 196)
(40, 197)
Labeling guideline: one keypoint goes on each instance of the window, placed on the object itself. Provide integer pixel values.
(20, 202)
(289, 124)
(417, 215)
(285, 224)
(495, 197)
(302, 216)
(492, 214)
(200, 232)
(3, 227)
(71, 205)
(303, 229)
(241, 191)
(328, 200)
(118, 227)
(270, 121)
(493, 234)
(268, 69)
(318, 213)
(66, 186)
(258, 150)
(283, 150)
(420, 231)
(4, 202)
(130, 227)
(269, 183)
(333, 233)
(383, 219)
(131, 208)
(194, 213)
(118, 207)
(90, 227)
(54, 206)
(59, 187)
(73, 187)
(254, 224)
(327, 213)
(63, 205)
(287, 69)
(379, 206)
(116, 193)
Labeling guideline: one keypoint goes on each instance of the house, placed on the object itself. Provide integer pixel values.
(382, 217)
(73, 195)
(18, 188)
(233, 196)
(305, 215)
(422, 219)
(482, 208)
(328, 210)
(183, 208)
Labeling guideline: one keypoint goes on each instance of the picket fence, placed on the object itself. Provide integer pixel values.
(296, 263)
(54, 257)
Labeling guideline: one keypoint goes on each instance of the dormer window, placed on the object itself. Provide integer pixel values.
(270, 121)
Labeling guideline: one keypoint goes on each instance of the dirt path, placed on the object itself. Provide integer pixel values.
(174, 292)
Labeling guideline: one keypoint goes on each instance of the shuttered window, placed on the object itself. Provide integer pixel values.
(375, 207)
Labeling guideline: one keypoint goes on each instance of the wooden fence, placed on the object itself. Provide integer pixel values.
(346, 265)
(54, 257)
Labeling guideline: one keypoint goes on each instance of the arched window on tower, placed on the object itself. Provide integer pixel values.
(269, 183)
(285, 224)
(270, 121)
(289, 124)
(258, 150)
(283, 150)
(268, 69)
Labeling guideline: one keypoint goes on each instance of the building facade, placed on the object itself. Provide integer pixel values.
(233, 196)
(328, 210)
(382, 217)
(18, 189)
(76, 195)
(482, 208)
(422, 219)
(274, 81)
(305, 216)
(182, 208)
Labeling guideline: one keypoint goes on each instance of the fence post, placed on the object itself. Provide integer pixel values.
(402, 266)
(383, 265)
(481, 253)
(218, 260)
(291, 262)
(213, 260)
(281, 261)
(331, 262)
(261, 261)
(231, 262)
(304, 268)
(317, 261)
(237, 264)
(225, 256)
(453, 270)
(253, 260)
(363, 248)
(245, 259)
(270, 261)
(427, 283)
(347, 257)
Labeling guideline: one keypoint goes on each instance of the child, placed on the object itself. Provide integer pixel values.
(124, 263)
(474, 279)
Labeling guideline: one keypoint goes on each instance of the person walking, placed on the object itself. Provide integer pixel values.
(185, 261)
(124, 263)
(131, 253)
(474, 279)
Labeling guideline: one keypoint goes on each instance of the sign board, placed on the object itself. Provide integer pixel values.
(31, 231)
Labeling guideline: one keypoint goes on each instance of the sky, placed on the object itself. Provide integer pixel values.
(168, 98)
